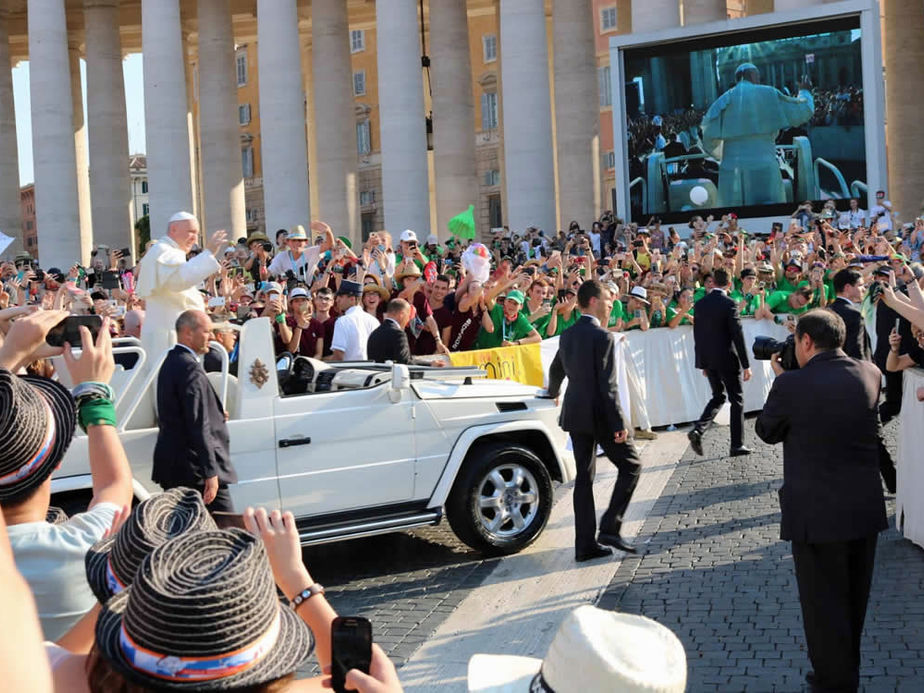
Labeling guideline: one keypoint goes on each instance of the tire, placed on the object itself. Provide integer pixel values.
(499, 522)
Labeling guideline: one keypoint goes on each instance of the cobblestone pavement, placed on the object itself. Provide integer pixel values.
(405, 583)
(717, 574)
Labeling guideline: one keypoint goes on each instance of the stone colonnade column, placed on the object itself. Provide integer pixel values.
(10, 217)
(84, 207)
(654, 15)
(53, 154)
(577, 110)
(904, 56)
(110, 185)
(336, 177)
(453, 112)
(223, 179)
(528, 159)
(166, 131)
(699, 11)
(282, 116)
(405, 172)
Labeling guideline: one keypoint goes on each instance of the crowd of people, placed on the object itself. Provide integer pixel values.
(110, 585)
(325, 298)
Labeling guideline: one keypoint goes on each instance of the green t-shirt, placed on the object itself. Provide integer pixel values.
(420, 265)
(698, 293)
(751, 304)
(563, 324)
(778, 302)
(503, 330)
(673, 309)
(785, 285)
(657, 318)
(618, 313)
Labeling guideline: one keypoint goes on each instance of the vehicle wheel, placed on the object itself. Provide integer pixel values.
(500, 500)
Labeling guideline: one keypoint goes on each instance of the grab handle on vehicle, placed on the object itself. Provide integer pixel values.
(292, 442)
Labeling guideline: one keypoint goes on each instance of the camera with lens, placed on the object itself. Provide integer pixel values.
(291, 281)
(267, 246)
(765, 347)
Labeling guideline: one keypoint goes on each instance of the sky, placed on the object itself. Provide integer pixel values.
(134, 103)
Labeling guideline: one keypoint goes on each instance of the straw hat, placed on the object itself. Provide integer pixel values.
(37, 421)
(593, 650)
(639, 293)
(407, 269)
(202, 614)
(111, 564)
(383, 293)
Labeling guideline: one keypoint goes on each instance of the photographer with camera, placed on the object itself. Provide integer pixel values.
(257, 263)
(831, 501)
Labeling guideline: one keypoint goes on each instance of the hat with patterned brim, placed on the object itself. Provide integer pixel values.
(37, 421)
(111, 564)
(203, 615)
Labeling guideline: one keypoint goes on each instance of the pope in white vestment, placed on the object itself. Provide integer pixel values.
(169, 284)
(740, 129)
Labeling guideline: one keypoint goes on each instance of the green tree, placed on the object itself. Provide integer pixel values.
(142, 233)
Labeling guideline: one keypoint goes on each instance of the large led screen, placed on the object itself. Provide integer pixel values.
(754, 122)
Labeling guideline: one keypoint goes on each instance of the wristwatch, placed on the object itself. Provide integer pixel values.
(306, 594)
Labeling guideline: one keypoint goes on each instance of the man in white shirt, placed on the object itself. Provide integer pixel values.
(169, 283)
(36, 427)
(300, 258)
(881, 212)
(353, 327)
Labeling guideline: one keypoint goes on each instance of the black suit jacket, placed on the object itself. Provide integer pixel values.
(826, 415)
(192, 444)
(856, 345)
(587, 356)
(388, 342)
(719, 340)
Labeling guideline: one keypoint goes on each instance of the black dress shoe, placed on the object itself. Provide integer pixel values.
(615, 541)
(740, 452)
(696, 441)
(596, 551)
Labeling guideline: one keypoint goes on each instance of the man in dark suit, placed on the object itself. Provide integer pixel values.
(192, 444)
(591, 414)
(832, 507)
(389, 342)
(723, 358)
(848, 285)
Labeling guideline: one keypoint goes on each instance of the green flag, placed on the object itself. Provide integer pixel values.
(463, 225)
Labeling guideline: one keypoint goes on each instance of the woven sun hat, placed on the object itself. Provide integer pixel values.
(384, 293)
(37, 421)
(56, 515)
(203, 615)
(639, 293)
(593, 650)
(297, 233)
(407, 269)
(112, 563)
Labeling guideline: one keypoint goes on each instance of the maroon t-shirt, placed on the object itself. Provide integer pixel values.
(329, 332)
(310, 336)
(465, 328)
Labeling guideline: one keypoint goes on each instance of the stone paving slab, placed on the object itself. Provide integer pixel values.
(717, 574)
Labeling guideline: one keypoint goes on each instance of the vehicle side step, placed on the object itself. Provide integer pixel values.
(368, 527)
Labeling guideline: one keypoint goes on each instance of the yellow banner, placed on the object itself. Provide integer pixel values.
(520, 363)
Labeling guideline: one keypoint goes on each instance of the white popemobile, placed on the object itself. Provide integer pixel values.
(356, 449)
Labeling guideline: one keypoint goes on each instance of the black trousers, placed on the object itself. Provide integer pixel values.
(834, 580)
(624, 456)
(722, 383)
(221, 502)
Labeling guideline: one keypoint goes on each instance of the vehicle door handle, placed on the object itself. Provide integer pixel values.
(292, 442)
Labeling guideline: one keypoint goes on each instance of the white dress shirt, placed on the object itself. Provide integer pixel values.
(351, 333)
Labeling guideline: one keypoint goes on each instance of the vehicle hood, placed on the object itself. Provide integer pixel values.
(494, 389)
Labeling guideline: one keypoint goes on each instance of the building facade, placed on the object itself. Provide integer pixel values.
(260, 114)
(138, 172)
(27, 212)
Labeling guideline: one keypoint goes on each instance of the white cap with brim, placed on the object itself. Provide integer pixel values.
(408, 236)
(593, 650)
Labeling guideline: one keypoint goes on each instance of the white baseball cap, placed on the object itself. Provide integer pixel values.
(432, 239)
(299, 292)
(407, 236)
(593, 650)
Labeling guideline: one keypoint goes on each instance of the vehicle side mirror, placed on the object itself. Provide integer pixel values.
(400, 380)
